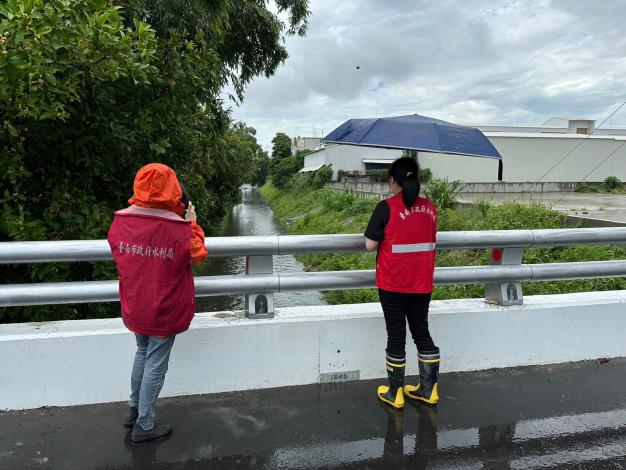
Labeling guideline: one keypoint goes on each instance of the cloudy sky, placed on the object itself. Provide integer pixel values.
(469, 62)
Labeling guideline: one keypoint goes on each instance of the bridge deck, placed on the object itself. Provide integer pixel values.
(571, 415)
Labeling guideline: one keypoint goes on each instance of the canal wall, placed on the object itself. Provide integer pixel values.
(89, 361)
(381, 190)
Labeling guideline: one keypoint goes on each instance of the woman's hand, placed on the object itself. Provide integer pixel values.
(190, 214)
(371, 245)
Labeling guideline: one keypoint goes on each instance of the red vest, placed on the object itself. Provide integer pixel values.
(406, 256)
(151, 250)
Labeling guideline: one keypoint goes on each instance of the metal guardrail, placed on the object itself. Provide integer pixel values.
(503, 278)
(98, 250)
(107, 291)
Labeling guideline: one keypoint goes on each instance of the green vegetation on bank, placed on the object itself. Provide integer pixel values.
(305, 210)
(612, 184)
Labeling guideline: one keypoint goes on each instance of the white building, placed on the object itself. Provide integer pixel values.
(563, 150)
(305, 143)
(350, 158)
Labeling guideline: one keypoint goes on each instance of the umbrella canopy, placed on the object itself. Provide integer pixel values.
(415, 132)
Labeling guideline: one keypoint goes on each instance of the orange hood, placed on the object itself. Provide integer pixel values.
(156, 186)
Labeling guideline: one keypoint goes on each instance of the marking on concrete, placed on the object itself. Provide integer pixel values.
(339, 377)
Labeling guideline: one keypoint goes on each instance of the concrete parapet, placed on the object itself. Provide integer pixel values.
(89, 361)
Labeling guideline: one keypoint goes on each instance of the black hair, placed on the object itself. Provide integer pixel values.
(184, 198)
(406, 173)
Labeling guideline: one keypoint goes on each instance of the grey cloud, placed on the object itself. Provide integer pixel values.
(470, 62)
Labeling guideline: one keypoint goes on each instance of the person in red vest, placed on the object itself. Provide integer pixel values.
(154, 247)
(403, 228)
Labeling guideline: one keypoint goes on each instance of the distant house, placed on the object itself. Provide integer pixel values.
(350, 158)
(305, 143)
(562, 150)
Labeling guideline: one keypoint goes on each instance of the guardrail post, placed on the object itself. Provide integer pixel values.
(505, 293)
(260, 305)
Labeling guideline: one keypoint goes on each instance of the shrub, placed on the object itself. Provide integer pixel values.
(612, 183)
(299, 181)
(483, 207)
(443, 192)
(321, 177)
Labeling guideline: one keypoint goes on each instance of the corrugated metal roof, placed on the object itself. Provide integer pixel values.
(387, 161)
(311, 168)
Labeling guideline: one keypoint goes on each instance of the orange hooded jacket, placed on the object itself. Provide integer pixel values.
(156, 187)
(153, 246)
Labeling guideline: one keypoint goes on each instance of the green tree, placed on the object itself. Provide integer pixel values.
(262, 171)
(281, 147)
(239, 152)
(90, 90)
(283, 170)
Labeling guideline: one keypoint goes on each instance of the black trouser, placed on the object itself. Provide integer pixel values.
(398, 308)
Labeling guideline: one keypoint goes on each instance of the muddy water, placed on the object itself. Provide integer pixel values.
(252, 217)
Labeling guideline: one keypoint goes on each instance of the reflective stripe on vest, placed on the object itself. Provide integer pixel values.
(406, 255)
(413, 248)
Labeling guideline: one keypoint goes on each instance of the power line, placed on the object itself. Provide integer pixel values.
(595, 168)
(581, 142)
(575, 147)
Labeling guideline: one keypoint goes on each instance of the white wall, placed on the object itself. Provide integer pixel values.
(527, 157)
(461, 167)
(316, 158)
(348, 157)
(89, 361)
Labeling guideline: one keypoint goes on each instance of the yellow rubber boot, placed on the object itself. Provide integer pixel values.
(427, 389)
(393, 394)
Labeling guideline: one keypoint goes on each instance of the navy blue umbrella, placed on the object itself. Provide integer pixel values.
(415, 132)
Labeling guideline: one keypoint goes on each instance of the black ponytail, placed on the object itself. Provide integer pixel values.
(406, 173)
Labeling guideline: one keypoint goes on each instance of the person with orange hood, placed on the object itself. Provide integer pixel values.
(153, 247)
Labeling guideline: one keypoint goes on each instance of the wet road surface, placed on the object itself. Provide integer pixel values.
(565, 416)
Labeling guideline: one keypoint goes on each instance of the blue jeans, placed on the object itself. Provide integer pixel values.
(146, 380)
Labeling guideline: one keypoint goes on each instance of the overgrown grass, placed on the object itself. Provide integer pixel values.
(305, 211)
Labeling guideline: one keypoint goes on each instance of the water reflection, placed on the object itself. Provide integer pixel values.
(413, 440)
(252, 217)
(320, 427)
(425, 439)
